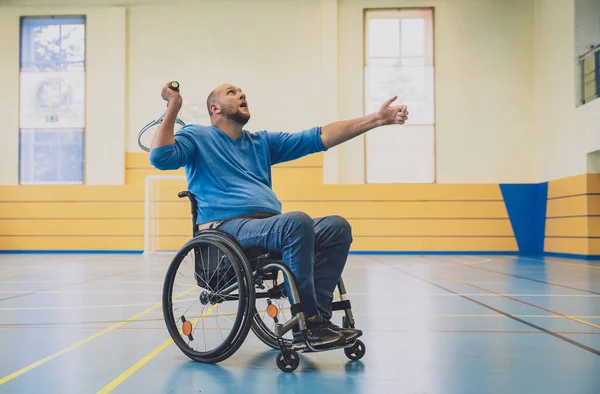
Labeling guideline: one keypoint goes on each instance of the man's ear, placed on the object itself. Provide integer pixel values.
(215, 108)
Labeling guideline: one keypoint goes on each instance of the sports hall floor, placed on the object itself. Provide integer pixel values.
(432, 324)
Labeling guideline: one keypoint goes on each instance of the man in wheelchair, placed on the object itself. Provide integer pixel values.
(228, 169)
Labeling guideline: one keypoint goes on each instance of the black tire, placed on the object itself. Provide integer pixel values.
(357, 351)
(241, 325)
(291, 364)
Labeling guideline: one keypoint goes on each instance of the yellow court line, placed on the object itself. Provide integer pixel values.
(135, 367)
(83, 341)
(517, 300)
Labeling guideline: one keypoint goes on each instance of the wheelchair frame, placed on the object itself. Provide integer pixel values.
(265, 265)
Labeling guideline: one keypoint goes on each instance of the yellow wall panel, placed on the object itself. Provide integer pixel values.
(72, 227)
(384, 210)
(319, 192)
(170, 242)
(573, 226)
(393, 192)
(112, 217)
(282, 176)
(373, 227)
(72, 243)
(593, 204)
(569, 186)
(398, 244)
(70, 193)
(593, 183)
(371, 210)
(78, 209)
(141, 160)
(594, 226)
(566, 245)
(432, 244)
(137, 176)
(594, 246)
(568, 206)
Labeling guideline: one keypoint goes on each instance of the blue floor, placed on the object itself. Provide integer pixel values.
(433, 324)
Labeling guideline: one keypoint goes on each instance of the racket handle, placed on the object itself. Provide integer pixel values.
(174, 85)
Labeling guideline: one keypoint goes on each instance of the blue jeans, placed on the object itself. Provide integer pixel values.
(314, 250)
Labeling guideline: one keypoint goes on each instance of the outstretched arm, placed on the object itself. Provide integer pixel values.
(338, 132)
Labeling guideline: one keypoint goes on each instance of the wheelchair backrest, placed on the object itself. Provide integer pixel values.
(194, 204)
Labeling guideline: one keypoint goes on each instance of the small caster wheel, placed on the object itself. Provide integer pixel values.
(288, 362)
(357, 351)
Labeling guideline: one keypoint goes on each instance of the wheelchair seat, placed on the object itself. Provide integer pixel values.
(253, 253)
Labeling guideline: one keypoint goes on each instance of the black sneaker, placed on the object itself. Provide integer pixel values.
(319, 334)
(349, 333)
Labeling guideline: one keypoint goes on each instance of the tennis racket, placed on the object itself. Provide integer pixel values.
(146, 134)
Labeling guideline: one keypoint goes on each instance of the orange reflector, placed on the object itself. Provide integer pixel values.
(272, 310)
(187, 328)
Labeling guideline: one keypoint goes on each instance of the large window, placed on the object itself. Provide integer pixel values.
(52, 91)
(399, 62)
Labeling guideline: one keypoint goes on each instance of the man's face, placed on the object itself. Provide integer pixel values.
(233, 104)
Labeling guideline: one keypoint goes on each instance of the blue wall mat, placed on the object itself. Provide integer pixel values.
(526, 206)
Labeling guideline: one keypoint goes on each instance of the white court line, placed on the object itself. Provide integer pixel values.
(77, 293)
(350, 294)
(68, 282)
(44, 308)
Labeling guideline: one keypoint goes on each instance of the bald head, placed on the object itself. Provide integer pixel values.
(228, 100)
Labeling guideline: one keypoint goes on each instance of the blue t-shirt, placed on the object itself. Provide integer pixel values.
(233, 178)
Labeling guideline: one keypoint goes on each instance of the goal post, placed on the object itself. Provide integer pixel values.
(167, 218)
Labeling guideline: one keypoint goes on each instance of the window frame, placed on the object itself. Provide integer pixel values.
(429, 54)
(27, 24)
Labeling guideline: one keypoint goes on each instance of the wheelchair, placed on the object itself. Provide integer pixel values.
(222, 280)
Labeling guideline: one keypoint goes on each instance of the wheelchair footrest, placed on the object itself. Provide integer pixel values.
(306, 348)
(341, 305)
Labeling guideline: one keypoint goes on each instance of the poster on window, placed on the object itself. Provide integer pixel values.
(52, 100)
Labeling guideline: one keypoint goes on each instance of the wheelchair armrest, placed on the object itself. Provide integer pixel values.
(183, 194)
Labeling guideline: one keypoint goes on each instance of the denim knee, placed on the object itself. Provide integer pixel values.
(299, 224)
(340, 227)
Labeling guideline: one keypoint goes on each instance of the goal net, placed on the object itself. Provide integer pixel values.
(168, 218)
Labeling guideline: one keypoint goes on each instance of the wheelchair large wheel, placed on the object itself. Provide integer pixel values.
(271, 291)
(208, 281)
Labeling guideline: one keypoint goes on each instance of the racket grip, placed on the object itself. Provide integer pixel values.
(174, 85)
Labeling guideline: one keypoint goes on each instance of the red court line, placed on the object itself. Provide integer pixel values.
(363, 329)
(530, 279)
(525, 322)
(517, 300)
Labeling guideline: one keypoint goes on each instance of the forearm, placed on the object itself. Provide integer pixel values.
(339, 132)
(166, 130)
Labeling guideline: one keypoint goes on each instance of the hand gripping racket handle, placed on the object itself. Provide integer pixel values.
(173, 85)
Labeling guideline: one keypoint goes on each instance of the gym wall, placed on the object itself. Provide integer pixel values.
(301, 64)
(565, 133)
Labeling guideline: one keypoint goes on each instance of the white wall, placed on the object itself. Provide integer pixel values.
(9, 101)
(483, 88)
(272, 50)
(105, 110)
(505, 89)
(564, 132)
